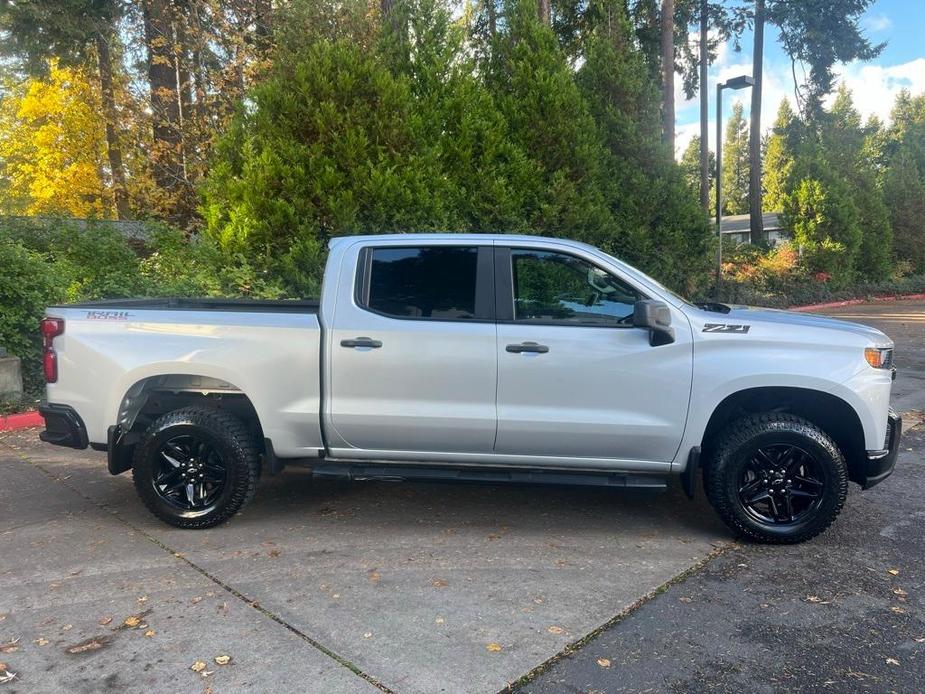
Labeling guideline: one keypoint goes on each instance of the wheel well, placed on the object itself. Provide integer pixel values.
(151, 397)
(828, 412)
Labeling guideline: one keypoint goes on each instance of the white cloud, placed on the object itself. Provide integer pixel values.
(876, 22)
(874, 87)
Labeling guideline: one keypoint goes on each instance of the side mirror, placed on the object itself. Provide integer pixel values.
(655, 316)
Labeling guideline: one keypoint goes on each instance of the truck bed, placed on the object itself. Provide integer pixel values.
(205, 304)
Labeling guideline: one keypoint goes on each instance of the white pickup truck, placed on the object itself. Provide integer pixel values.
(477, 357)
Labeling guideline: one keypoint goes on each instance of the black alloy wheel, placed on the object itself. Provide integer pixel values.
(775, 477)
(196, 467)
(781, 484)
(189, 472)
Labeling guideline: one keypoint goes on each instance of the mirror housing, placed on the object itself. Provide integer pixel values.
(655, 316)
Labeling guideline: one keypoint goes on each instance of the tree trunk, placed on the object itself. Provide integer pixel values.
(113, 149)
(263, 14)
(756, 223)
(492, 18)
(704, 110)
(166, 155)
(544, 10)
(667, 17)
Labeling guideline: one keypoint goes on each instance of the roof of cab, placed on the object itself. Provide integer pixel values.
(461, 237)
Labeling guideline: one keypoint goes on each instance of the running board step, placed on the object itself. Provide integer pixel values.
(400, 473)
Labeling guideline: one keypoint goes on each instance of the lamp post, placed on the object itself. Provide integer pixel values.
(740, 82)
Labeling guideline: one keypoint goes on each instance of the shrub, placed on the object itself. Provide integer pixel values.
(28, 284)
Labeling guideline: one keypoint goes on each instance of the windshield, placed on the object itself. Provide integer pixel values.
(658, 285)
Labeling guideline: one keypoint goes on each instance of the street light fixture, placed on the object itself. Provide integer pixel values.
(740, 82)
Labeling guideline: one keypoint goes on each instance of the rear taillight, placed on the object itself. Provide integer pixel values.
(51, 328)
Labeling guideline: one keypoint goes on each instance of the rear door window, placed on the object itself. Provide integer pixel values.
(427, 283)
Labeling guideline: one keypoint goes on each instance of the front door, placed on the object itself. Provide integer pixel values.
(575, 378)
(413, 353)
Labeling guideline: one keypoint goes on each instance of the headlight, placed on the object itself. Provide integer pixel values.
(879, 357)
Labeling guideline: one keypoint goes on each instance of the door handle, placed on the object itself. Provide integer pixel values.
(362, 342)
(527, 347)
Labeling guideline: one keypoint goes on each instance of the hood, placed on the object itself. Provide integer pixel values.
(752, 314)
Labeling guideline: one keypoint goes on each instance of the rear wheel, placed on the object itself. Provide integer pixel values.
(196, 467)
(776, 478)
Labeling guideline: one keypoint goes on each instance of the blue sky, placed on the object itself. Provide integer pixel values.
(874, 84)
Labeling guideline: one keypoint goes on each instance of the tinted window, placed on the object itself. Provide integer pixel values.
(556, 287)
(436, 282)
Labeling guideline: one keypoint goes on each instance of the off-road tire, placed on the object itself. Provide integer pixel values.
(230, 438)
(733, 449)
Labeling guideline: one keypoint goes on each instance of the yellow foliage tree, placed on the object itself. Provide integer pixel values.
(53, 147)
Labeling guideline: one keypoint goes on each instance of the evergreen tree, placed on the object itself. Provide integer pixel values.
(904, 179)
(735, 163)
(690, 168)
(778, 159)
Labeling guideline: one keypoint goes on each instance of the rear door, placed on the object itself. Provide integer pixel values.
(576, 379)
(412, 352)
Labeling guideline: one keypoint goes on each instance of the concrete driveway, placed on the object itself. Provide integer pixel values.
(329, 587)
(321, 587)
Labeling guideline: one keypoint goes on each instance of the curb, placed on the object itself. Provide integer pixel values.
(23, 420)
(854, 302)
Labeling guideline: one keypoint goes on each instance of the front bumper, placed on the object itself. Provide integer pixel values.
(879, 464)
(63, 426)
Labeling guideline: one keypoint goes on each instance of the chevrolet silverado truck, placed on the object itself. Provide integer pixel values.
(487, 358)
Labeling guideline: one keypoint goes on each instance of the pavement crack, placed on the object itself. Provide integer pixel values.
(317, 645)
(578, 644)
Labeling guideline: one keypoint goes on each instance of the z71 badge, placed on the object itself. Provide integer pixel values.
(725, 328)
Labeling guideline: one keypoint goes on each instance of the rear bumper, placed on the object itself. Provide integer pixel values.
(879, 464)
(63, 426)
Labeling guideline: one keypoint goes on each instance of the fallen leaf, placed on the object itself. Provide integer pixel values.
(198, 666)
(10, 646)
(603, 662)
(274, 553)
(93, 644)
(555, 629)
(143, 599)
(132, 622)
(150, 632)
(222, 659)
(686, 599)
(897, 610)
(493, 647)
(439, 583)
(899, 592)
(892, 661)
(368, 635)
(41, 641)
(893, 572)
(67, 627)
(439, 620)
(196, 600)
(813, 598)
(104, 621)
(373, 576)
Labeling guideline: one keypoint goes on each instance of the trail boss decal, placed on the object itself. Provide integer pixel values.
(108, 315)
(725, 328)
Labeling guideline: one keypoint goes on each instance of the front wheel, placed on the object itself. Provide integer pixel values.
(196, 467)
(776, 478)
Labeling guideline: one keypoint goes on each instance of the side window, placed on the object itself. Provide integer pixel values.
(557, 287)
(437, 282)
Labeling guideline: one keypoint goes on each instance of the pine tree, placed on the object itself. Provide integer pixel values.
(778, 159)
(735, 163)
